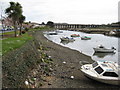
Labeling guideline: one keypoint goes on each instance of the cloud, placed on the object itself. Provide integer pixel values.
(70, 11)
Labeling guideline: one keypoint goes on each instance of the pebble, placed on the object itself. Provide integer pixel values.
(35, 79)
(39, 50)
(72, 67)
(49, 84)
(64, 62)
(26, 82)
(50, 69)
(62, 77)
(72, 77)
(49, 56)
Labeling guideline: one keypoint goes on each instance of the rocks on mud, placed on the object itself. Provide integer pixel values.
(64, 62)
(26, 83)
(72, 77)
(49, 84)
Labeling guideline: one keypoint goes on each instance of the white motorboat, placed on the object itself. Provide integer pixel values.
(101, 48)
(102, 71)
(67, 39)
(59, 31)
(52, 33)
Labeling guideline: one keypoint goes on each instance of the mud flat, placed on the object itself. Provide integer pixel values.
(66, 68)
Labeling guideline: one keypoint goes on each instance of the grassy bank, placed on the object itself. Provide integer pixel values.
(17, 64)
(12, 43)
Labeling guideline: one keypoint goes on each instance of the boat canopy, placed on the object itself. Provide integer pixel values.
(106, 68)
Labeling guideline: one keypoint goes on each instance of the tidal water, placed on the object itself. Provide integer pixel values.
(86, 46)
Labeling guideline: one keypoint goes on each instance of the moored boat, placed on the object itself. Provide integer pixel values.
(102, 71)
(59, 31)
(52, 33)
(67, 39)
(85, 38)
(75, 35)
(101, 48)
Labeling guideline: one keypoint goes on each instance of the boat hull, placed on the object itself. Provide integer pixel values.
(104, 50)
(91, 75)
(63, 39)
(82, 38)
(75, 35)
(54, 33)
(113, 82)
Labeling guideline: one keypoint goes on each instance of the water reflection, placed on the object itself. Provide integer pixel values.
(103, 55)
(86, 46)
(66, 42)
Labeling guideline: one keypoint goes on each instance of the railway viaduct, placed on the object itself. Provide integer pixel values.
(76, 26)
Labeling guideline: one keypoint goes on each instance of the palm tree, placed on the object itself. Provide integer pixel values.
(14, 11)
(21, 20)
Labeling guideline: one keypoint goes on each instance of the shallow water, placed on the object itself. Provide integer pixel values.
(86, 46)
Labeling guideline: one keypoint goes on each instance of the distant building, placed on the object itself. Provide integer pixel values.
(0, 25)
(32, 25)
(35, 25)
(115, 25)
(7, 22)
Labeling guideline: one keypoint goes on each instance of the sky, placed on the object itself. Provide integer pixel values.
(68, 11)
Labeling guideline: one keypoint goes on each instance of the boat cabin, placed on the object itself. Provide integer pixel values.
(107, 69)
(101, 46)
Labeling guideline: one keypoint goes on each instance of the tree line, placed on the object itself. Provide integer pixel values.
(15, 12)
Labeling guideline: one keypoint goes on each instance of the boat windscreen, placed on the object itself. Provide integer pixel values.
(99, 70)
(104, 65)
(94, 64)
(110, 74)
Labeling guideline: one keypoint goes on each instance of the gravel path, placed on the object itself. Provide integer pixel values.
(66, 65)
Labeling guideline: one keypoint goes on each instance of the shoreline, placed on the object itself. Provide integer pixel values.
(44, 64)
(96, 31)
(65, 65)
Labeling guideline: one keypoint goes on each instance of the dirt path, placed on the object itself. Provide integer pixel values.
(66, 64)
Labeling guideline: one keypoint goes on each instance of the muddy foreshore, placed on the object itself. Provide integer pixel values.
(62, 72)
(40, 63)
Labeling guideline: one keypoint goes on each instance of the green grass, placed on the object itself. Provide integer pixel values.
(12, 32)
(0, 47)
(12, 43)
(41, 28)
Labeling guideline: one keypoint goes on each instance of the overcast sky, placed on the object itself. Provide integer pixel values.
(68, 11)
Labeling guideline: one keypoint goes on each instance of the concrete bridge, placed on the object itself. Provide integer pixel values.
(76, 26)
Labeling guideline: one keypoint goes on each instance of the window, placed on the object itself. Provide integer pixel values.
(99, 70)
(111, 74)
(104, 65)
(94, 64)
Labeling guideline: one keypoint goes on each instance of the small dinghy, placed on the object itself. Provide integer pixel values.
(75, 35)
(52, 33)
(102, 49)
(67, 39)
(59, 31)
(102, 71)
(85, 38)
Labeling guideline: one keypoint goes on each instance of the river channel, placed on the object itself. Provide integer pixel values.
(86, 46)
